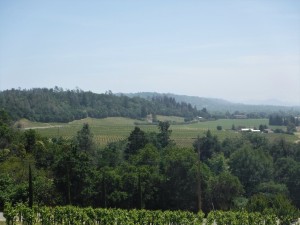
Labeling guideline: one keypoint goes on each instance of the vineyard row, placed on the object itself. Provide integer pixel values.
(64, 215)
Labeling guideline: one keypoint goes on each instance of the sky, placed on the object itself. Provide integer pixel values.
(241, 51)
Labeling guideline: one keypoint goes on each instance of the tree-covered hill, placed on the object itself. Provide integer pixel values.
(219, 105)
(58, 105)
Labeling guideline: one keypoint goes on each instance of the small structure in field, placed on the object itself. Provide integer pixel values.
(149, 118)
(240, 116)
(250, 130)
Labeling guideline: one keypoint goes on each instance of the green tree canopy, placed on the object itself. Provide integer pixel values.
(251, 167)
(180, 178)
(136, 141)
(164, 134)
(84, 139)
(209, 145)
(222, 190)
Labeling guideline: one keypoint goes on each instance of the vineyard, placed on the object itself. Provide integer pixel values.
(21, 214)
(116, 128)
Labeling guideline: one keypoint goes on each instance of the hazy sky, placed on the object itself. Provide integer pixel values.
(236, 50)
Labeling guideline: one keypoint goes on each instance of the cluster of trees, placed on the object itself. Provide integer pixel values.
(289, 121)
(148, 171)
(58, 105)
(279, 120)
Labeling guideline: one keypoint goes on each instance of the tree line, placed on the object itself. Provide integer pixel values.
(279, 120)
(59, 105)
(148, 171)
(291, 122)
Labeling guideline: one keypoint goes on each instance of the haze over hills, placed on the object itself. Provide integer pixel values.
(271, 102)
(221, 105)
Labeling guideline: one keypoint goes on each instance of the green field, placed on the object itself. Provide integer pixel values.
(116, 128)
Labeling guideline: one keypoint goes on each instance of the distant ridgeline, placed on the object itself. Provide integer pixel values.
(216, 106)
(58, 105)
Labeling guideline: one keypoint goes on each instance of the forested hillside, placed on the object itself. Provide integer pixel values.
(58, 105)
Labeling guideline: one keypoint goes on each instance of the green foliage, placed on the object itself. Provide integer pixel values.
(284, 210)
(6, 134)
(44, 190)
(112, 154)
(251, 167)
(76, 215)
(180, 184)
(6, 189)
(165, 133)
(262, 127)
(281, 148)
(30, 140)
(136, 140)
(209, 145)
(223, 189)
(240, 218)
(287, 171)
(30, 188)
(84, 139)
(291, 128)
(279, 205)
(5, 118)
(272, 189)
(257, 140)
(218, 163)
(276, 119)
(146, 175)
(58, 105)
(73, 170)
(10, 213)
(14, 177)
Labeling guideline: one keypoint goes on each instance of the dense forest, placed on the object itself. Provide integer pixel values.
(148, 171)
(58, 105)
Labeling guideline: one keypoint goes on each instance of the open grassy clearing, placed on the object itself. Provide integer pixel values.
(24, 123)
(298, 135)
(116, 128)
(174, 119)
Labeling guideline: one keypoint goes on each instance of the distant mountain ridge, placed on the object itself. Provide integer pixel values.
(216, 104)
(271, 102)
